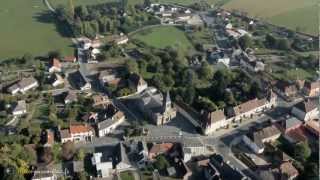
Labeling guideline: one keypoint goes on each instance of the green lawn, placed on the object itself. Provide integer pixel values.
(27, 27)
(162, 37)
(126, 175)
(291, 74)
(289, 13)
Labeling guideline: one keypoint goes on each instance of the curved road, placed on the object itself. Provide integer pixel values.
(46, 2)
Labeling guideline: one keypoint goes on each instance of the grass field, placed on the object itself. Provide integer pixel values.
(88, 2)
(27, 28)
(162, 37)
(289, 13)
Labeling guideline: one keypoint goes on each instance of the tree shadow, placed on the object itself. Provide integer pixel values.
(48, 17)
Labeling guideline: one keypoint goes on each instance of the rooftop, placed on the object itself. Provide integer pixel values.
(249, 105)
(308, 105)
(213, 117)
(161, 148)
(75, 129)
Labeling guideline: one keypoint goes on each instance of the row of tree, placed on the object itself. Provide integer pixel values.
(105, 18)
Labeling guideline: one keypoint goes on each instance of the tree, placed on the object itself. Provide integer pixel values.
(168, 81)
(158, 82)
(132, 66)
(45, 154)
(80, 155)
(207, 104)
(125, 92)
(206, 71)
(54, 54)
(311, 170)
(283, 44)
(245, 42)
(68, 150)
(189, 77)
(95, 26)
(302, 151)
(161, 162)
(11, 173)
(82, 11)
(229, 98)
(189, 95)
(271, 41)
(147, 3)
(27, 57)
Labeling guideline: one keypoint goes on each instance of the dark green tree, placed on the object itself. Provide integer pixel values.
(283, 44)
(206, 71)
(302, 151)
(245, 42)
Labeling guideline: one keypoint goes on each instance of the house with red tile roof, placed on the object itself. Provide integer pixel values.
(158, 149)
(55, 66)
(77, 132)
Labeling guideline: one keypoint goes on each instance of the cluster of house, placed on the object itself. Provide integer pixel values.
(112, 77)
(300, 126)
(212, 121)
(100, 123)
(288, 90)
(89, 49)
(236, 33)
(233, 58)
(305, 112)
(120, 157)
(214, 167)
(171, 14)
(250, 62)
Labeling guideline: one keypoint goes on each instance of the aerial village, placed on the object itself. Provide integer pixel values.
(88, 115)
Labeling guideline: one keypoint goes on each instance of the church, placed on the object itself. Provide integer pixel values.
(156, 106)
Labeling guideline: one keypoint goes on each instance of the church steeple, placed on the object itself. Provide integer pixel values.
(166, 105)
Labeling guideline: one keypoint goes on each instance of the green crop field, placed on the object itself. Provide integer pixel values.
(88, 2)
(161, 37)
(27, 27)
(301, 14)
(55, 3)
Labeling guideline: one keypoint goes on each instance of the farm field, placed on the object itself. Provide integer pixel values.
(133, 2)
(29, 29)
(161, 37)
(294, 14)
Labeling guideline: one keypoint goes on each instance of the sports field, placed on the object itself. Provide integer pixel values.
(161, 37)
(27, 27)
(301, 14)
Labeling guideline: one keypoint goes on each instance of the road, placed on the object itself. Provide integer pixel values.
(49, 6)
